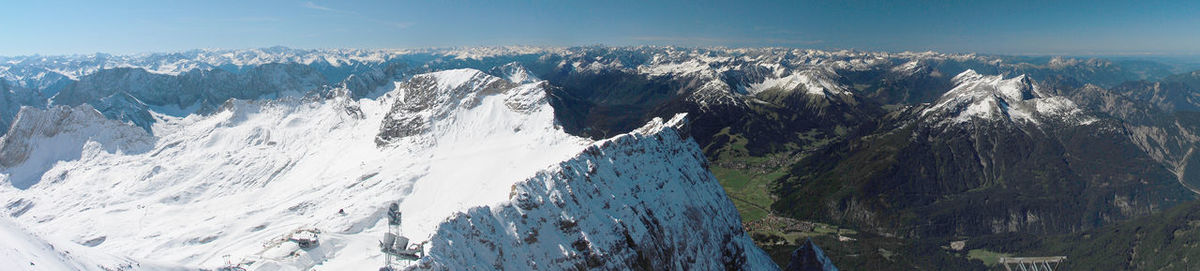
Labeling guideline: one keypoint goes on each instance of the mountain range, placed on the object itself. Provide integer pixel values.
(561, 158)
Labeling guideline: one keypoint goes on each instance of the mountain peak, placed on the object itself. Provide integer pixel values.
(992, 97)
(1012, 89)
(453, 79)
(515, 72)
(427, 99)
(821, 82)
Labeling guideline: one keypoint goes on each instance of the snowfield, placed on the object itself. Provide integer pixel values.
(207, 191)
(22, 250)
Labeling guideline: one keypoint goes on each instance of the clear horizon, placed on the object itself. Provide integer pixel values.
(1020, 28)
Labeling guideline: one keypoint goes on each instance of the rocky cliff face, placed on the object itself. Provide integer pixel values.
(429, 98)
(606, 209)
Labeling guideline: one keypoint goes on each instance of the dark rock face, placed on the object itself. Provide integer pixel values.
(606, 103)
(984, 176)
(396, 127)
(809, 257)
(1173, 233)
(1160, 118)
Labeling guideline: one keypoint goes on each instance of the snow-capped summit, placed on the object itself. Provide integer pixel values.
(820, 82)
(424, 101)
(994, 98)
(515, 72)
(909, 68)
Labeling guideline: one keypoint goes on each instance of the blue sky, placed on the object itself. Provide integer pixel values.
(995, 27)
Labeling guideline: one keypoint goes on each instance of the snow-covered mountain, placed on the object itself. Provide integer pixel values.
(993, 98)
(40, 138)
(141, 148)
(203, 189)
(577, 214)
(812, 82)
(200, 79)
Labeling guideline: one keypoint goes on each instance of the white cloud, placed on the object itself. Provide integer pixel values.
(398, 25)
(312, 5)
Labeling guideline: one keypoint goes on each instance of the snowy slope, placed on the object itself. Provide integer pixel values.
(23, 250)
(226, 184)
(636, 201)
(231, 186)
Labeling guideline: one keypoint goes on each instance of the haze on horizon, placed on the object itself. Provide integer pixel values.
(1112, 28)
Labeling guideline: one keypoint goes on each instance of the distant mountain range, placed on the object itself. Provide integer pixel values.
(881, 158)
